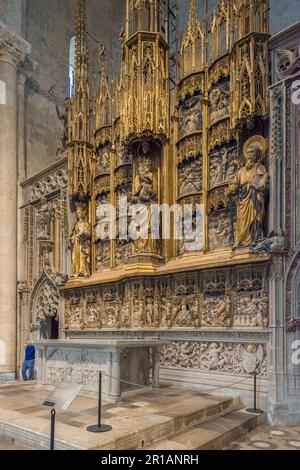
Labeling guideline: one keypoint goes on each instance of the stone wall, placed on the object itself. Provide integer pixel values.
(49, 28)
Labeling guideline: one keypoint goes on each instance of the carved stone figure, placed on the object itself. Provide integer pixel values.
(143, 197)
(183, 315)
(166, 313)
(251, 186)
(149, 312)
(252, 356)
(81, 240)
(64, 118)
(217, 312)
(274, 244)
(138, 314)
(214, 356)
(43, 220)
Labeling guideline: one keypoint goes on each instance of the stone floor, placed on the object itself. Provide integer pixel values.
(269, 438)
(158, 413)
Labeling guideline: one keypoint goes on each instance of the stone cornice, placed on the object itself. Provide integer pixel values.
(12, 44)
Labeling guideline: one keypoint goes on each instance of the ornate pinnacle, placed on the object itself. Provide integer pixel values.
(81, 55)
(193, 32)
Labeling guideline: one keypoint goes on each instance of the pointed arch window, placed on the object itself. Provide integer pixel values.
(72, 65)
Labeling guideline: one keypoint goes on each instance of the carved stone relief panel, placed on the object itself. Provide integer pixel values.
(49, 184)
(211, 299)
(190, 116)
(219, 101)
(229, 358)
(74, 312)
(250, 298)
(190, 177)
(123, 156)
(74, 365)
(216, 301)
(220, 229)
(103, 160)
(223, 165)
(186, 303)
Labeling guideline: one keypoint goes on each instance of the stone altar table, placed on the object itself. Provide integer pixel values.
(79, 361)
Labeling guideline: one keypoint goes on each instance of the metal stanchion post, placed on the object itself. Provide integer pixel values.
(99, 427)
(255, 410)
(52, 432)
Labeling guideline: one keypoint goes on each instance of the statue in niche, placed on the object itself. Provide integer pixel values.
(149, 309)
(64, 118)
(219, 102)
(126, 316)
(166, 315)
(138, 314)
(144, 195)
(191, 116)
(81, 241)
(103, 162)
(251, 186)
(43, 220)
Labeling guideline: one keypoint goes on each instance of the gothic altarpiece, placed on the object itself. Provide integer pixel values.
(210, 147)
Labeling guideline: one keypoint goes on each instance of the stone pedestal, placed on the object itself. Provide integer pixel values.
(12, 51)
(125, 364)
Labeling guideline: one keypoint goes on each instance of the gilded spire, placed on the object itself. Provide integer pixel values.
(81, 63)
(193, 32)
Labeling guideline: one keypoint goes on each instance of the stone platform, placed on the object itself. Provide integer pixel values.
(125, 364)
(168, 419)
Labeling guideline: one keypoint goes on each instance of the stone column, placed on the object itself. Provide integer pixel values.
(12, 51)
(155, 366)
(116, 375)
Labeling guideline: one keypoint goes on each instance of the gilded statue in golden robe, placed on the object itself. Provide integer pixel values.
(251, 185)
(81, 242)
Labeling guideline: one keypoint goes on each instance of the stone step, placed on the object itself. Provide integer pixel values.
(132, 428)
(213, 435)
(190, 413)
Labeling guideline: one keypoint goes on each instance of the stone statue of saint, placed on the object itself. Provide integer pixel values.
(64, 118)
(43, 220)
(144, 195)
(251, 185)
(81, 241)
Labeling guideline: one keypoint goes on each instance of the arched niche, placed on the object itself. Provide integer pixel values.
(44, 308)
